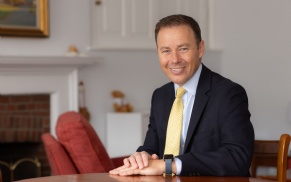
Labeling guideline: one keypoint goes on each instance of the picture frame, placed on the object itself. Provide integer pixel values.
(24, 18)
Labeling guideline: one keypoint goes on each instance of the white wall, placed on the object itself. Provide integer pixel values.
(253, 37)
(256, 43)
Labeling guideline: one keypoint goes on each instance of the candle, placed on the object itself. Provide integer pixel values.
(81, 95)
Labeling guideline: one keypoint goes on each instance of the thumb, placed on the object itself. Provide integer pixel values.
(155, 156)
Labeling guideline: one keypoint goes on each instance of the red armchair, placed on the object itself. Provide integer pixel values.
(58, 158)
(86, 151)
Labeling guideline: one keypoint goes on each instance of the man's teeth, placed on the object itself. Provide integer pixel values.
(176, 69)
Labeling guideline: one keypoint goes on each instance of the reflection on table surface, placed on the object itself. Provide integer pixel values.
(96, 177)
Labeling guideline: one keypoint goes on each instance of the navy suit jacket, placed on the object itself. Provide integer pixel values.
(220, 136)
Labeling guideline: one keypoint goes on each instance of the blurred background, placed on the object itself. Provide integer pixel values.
(247, 41)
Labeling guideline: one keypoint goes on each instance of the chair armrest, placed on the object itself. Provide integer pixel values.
(118, 161)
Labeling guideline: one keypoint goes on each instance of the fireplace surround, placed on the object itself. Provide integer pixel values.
(47, 76)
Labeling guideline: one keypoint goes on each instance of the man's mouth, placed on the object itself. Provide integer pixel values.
(177, 70)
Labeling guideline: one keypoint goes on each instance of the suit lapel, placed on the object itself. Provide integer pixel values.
(200, 102)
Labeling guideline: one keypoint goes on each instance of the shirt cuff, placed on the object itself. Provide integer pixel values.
(178, 163)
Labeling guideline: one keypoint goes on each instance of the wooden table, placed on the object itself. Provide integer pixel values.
(105, 177)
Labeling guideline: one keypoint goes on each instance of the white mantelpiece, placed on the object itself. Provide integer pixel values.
(45, 61)
(54, 75)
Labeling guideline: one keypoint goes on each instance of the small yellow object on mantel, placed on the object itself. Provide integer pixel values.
(73, 51)
(120, 105)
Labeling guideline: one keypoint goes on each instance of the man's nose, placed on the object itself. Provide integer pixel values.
(175, 57)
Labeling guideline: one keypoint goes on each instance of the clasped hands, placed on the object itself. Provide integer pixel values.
(140, 163)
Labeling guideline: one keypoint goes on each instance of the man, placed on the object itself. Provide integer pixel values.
(217, 135)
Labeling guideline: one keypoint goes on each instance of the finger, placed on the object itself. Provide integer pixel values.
(114, 172)
(142, 160)
(126, 162)
(117, 170)
(133, 160)
(129, 171)
(145, 159)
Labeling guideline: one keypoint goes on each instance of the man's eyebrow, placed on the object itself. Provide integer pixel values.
(182, 45)
(164, 47)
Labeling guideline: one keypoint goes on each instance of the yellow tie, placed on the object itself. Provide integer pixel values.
(174, 129)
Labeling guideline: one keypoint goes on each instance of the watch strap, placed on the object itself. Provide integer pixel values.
(168, 163)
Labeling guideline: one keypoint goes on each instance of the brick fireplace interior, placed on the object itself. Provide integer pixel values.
(23, 118)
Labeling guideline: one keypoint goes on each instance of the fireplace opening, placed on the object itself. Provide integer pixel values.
(23, 119)
(19, 160)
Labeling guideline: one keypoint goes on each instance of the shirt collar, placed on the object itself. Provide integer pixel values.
(191, 85)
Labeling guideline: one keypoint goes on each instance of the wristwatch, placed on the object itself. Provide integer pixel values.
(168, 158)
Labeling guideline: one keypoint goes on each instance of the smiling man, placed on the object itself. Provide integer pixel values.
(216, 136)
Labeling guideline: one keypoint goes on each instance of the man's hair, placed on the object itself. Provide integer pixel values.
(177, 20)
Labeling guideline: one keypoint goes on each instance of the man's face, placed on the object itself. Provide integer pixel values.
(178, 53)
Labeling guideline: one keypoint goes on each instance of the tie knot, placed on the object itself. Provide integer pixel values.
(180, 92)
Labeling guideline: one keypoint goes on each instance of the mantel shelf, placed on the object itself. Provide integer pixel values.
(46, 61)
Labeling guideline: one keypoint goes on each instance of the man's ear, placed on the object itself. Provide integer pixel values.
(201, 49)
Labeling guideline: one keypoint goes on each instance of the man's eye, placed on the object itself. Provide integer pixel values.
(183, 49)
(165, 51)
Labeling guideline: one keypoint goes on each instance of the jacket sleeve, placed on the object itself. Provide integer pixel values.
(151, 142)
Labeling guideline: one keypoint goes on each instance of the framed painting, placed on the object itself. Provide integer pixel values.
(26, 18)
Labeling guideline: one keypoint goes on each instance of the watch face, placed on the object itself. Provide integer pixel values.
(168, 156)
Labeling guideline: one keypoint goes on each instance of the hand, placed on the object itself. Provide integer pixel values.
(154, 167)
(139, 160)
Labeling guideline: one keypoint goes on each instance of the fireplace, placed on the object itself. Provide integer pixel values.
(23, 119)
(50, 83)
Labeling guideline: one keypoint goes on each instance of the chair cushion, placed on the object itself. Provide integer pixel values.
(82, 143)
(58, 158)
